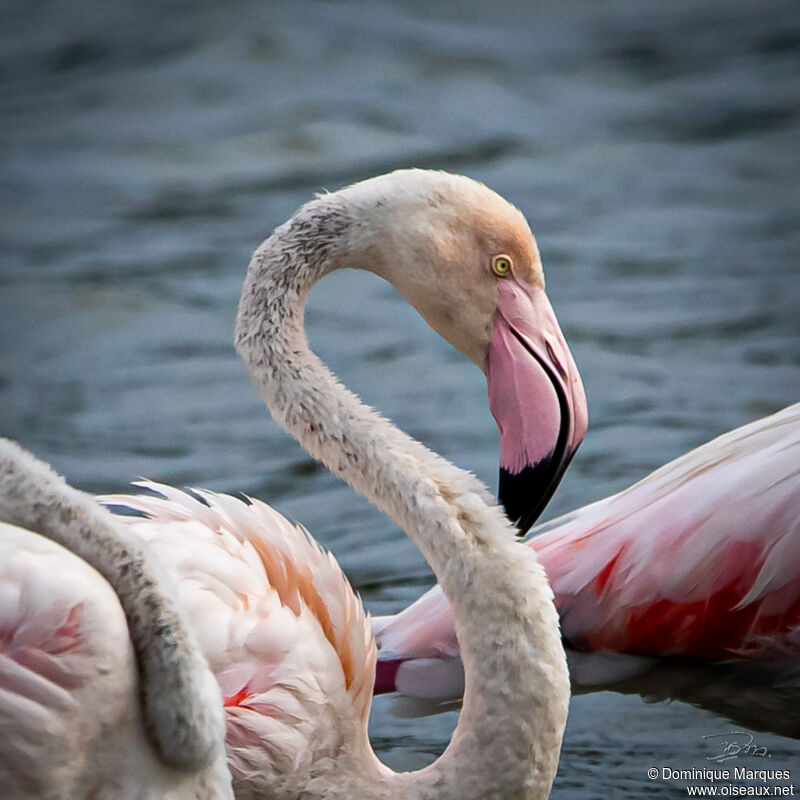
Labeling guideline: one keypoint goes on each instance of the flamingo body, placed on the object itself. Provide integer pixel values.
(70, 718)
(277, 621)
(700, 559)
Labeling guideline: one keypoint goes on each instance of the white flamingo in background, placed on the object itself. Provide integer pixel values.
(76, 721)
(287, 638)
(699, 560)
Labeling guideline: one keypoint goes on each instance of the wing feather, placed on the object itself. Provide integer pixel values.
(283, 631)
(66, 667)
(701, 558)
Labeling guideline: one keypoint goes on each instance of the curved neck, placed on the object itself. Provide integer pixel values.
(509, 732)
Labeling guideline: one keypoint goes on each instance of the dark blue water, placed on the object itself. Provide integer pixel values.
(147, 148)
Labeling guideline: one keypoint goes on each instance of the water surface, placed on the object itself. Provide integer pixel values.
(147, 148)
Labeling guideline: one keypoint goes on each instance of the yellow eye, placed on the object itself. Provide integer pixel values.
(501, 265)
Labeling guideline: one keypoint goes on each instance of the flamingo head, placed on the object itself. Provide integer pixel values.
(466, 259)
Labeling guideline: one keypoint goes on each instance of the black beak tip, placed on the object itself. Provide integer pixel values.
(525, 495)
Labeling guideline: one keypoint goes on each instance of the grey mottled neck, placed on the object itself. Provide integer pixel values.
(509, 733)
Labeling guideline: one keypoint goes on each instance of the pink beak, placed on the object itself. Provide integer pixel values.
(537, 400)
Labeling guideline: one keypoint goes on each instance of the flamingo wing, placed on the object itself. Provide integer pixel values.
(281, 628)
(699, 559)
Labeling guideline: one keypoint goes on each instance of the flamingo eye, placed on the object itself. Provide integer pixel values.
(501, 265)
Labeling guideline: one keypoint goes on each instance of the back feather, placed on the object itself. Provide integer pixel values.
(701, 558)
(284, 633)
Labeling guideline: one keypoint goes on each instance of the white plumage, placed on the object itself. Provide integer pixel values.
(276, 618)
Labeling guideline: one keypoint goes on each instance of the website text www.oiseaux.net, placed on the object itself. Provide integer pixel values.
(723, 782)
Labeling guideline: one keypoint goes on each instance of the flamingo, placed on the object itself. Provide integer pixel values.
(72, 723)
(290, 644)
(699, 560)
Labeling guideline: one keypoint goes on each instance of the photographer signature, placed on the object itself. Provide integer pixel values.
(733, 745)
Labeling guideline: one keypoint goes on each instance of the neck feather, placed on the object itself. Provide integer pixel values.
(508, 737)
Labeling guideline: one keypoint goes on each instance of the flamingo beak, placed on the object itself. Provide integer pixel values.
(536, 398)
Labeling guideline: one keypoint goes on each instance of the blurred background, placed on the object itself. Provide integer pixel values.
(146, 148)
